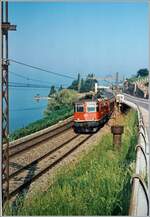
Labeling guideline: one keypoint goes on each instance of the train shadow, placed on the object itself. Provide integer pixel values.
(19, 199)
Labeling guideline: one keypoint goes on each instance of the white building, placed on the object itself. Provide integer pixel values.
(100, 87)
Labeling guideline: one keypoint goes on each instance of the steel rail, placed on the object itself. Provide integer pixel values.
(24, 147)
(37, 134)
(41, 158)
(28, 182)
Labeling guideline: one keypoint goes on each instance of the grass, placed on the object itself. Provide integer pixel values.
(99, 184)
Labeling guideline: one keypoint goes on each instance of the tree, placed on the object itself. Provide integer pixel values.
(75, 84)
(88, 84)
(142, 72)
(82, 85)
(52, 91)
(62, 99)
(60, 88)
(78, 79)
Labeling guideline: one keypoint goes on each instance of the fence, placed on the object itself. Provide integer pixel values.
(139, 203)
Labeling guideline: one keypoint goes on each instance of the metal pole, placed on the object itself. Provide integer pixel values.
(1, 142)
(5, 27)
(5, 115)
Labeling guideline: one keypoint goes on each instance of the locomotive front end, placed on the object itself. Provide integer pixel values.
(86, 116)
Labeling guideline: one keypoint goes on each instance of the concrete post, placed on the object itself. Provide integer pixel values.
(117, 132)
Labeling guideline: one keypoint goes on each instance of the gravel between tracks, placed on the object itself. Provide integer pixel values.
(22, 159)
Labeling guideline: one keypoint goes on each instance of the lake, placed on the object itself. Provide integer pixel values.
(24, 109)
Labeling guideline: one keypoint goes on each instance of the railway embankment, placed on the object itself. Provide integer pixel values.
(92, 180)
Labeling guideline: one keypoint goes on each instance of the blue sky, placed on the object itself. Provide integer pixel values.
(102, 38)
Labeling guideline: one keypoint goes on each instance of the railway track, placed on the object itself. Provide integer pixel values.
(32, 142)
(33, 156)
(37, 160)
(23, 177)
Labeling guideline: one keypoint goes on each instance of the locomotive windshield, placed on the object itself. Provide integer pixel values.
(79, 108)
(91, 107)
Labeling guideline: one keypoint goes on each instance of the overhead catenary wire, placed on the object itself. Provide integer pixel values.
(28, 78)
(41, 69)
(29, 85)
(16, 84)
(28, 109)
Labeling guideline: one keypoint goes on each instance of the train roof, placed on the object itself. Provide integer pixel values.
(93, 98)
(104, 95)
(86, 100)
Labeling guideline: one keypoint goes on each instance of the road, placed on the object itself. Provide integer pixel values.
(144, 107)
(144, 103)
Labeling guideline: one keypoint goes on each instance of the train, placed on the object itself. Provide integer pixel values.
(92, 112)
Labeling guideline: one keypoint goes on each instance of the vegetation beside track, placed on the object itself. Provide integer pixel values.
(52, 119)
(99, 184)
(59, 107)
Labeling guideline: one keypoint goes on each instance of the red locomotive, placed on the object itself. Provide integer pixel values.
(92, 112)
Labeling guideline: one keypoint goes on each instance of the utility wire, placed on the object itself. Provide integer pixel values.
(30, 85)
(41, 69)
(27, 86)
(26, 109)
(17, 86)
(28, 78)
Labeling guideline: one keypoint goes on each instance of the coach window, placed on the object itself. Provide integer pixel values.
(79, 108)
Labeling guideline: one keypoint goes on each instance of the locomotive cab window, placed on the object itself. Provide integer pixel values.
(79, 108)
(91, 107)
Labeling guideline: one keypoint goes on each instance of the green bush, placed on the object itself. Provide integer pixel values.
(63, 98)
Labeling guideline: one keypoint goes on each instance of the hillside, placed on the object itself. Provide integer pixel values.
(138, 85)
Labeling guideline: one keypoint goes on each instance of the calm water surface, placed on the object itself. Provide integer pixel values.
(24, 109)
